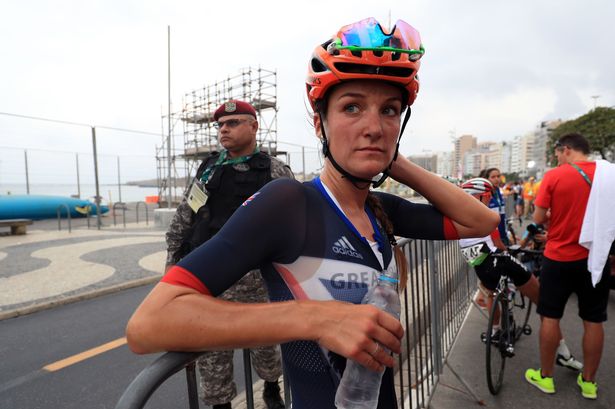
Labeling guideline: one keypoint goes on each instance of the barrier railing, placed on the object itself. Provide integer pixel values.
(59, 214)
(122, 206)
(434, 306)
(146, 212)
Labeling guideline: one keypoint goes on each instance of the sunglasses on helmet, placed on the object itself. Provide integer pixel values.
(368, 35)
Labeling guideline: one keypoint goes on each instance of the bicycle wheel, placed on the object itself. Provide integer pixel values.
(524, 312)
(496, 344)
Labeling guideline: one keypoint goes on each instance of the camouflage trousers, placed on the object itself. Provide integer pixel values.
(216, 367)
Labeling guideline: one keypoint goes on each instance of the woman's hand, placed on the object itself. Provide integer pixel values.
(362, 333)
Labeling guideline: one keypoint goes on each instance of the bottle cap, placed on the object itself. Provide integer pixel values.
(385, 277)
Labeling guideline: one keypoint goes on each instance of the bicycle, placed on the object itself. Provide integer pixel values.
(500, 344)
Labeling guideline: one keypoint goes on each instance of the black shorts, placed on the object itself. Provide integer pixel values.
(559, 279)
(492, 268)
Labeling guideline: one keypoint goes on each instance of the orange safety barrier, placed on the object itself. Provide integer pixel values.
(151, 199)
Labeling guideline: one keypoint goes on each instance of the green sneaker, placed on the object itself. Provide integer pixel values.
(534, 377)
(589, 390)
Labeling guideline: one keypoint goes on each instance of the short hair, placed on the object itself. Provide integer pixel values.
(574, 141)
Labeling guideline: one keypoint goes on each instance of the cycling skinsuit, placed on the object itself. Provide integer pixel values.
(306, 248)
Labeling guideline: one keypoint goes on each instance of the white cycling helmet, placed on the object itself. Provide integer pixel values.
(477, 186)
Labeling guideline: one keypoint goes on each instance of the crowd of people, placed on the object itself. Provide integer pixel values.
(523, 192)
(562, 215)
(246, 225)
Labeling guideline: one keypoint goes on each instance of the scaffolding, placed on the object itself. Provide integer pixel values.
(257, 86)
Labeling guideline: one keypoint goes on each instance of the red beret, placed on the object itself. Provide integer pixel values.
(234, 107)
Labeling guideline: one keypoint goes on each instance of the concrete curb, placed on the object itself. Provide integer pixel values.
(78, 297)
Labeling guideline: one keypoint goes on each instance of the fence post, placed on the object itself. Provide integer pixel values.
(25, 156)
(78, 181)
(193, 392)
(97, 199)
(247, 369)
(436, 327)
(119, 183)
(137, 211)
(123, 205)
(59, 213)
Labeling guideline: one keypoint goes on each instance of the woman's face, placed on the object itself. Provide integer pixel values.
(362, 124)
(495, 177)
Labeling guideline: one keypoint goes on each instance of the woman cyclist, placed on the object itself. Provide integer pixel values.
(320, 244)
(497, 204)
(486, 254)
(489, 260)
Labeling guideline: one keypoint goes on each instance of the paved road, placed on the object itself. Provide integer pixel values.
(36, 347)
(64, 293)
(44, 339)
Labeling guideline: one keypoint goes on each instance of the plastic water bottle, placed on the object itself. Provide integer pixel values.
(360, 386)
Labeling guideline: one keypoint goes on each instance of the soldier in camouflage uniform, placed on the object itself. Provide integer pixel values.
(224, 181)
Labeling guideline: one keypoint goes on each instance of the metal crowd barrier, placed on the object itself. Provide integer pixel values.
(122, 206)
(434, 305)
(59, 214)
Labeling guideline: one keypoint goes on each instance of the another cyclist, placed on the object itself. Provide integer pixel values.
(320, 245)
(496, 203)
(489, 260)
(487, 254)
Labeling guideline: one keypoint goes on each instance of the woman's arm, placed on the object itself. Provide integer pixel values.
(177, 318)
(470, 217)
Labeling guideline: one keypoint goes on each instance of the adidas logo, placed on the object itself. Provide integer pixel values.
(343, 246)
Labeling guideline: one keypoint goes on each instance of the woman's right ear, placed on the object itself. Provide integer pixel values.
(317, 128)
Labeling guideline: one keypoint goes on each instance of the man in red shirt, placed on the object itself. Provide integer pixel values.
(561, 201)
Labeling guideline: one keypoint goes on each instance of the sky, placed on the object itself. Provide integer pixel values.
(492, 69)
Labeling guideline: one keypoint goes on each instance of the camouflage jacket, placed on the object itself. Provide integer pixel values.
(182, 221)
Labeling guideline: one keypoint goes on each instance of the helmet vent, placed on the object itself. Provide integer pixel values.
(357, 54)
(395, 56)
(373, 69)
(377, 53)
(318, 66)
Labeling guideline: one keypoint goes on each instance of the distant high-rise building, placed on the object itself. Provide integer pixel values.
(529, 152)
(426, 161)
(541, 139)
(462, 144)
(445, 166)
(506, 157)
(519, 155)
(485, 155)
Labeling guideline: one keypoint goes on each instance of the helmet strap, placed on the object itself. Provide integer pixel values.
(355, 180)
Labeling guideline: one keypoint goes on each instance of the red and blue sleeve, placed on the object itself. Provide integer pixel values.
(417, 221)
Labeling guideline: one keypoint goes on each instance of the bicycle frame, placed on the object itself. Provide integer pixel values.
(501, 344)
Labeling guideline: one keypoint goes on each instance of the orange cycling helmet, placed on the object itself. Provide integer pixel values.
(363, 50)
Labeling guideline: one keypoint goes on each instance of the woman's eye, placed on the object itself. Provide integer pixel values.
(351, 108)
(391, 111)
